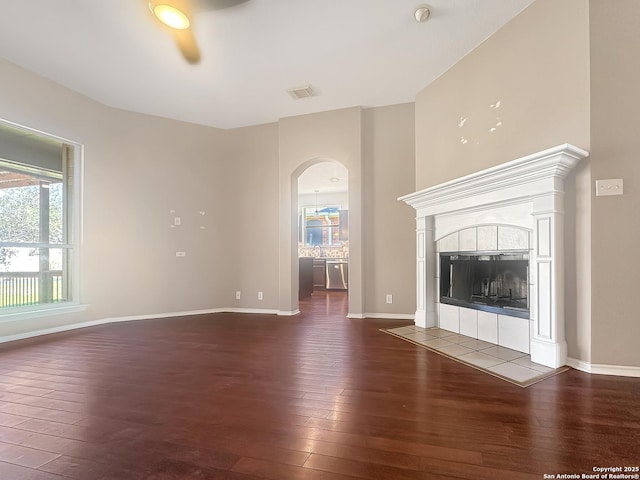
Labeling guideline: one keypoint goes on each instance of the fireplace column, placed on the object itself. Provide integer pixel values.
(426, 316)
(548, 344)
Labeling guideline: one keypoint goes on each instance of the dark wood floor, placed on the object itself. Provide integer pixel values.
(316, 396)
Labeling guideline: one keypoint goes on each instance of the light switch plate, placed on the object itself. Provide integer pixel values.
(612, 186)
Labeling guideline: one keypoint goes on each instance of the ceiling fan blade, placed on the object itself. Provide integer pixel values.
(206, 5)
(186, 41)
(184, 38)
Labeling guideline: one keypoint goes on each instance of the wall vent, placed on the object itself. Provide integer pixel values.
(301, 92)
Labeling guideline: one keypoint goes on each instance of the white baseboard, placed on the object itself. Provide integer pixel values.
(391, 316)
(262, 311)
(619, 370)
(601, 369)
(47, 331)
(579, 364)
(287, 313)
(130, 318)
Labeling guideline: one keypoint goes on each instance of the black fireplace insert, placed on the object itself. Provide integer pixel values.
(494, 282)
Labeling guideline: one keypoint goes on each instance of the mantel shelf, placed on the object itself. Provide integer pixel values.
(524, 177)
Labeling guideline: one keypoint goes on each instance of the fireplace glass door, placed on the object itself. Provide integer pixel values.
(495, 282)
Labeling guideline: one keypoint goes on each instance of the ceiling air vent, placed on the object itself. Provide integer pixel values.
(301, 92)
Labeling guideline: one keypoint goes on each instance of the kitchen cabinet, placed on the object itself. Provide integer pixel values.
(319, 273)
(305, 267)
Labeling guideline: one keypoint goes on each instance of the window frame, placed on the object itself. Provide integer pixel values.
(330, 227)
(73, 232)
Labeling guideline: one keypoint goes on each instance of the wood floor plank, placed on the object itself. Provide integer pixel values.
(277, 471)
(31, 411)
(16, 472)
(24, 456)
(39, 441)
(9, 420)
(362, 469)
(368, 455)
(77, 468)
(316, 396)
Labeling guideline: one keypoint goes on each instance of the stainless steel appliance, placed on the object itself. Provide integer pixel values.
(337, 274)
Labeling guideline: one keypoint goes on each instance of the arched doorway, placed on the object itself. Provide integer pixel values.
(323, 230)
(289, 237)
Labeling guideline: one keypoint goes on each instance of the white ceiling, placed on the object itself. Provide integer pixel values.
(325, 177)
(352, 52)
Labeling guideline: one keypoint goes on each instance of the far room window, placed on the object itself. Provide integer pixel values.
(37, 247)
(322, 226)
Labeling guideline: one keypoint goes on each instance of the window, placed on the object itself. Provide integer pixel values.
(36, 220)
(322, 226)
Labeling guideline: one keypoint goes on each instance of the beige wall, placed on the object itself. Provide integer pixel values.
(537, 67)
(303, 141)
(137, 169)
(141, 171)
(377, 147)
(615, 101)
(578, 286)
(251, 203)
(389, 225)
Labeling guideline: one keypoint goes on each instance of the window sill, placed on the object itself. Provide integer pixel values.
(27, 313)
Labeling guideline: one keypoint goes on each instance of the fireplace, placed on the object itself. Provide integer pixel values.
(495, 282)
(500, 230)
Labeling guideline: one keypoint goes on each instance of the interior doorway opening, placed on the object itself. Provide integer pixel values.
(323, 230)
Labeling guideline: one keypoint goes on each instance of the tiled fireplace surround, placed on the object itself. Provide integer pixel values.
(514, 206)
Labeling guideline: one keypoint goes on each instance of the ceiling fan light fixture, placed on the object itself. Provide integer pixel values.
(170, 15)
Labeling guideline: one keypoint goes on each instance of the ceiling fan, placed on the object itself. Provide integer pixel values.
(177, 16)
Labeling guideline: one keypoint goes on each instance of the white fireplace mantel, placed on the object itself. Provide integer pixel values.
(527, 192)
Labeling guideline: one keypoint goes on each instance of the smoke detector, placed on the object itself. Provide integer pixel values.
(422, 13)
(301, 92)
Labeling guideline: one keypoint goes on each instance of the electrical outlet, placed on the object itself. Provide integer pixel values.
(238, 295)
(177, 221)
(181, 254)
(260, 296)
(389, 298)
(611, 186)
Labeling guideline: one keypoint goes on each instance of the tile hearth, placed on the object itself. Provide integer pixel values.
(511, 365)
